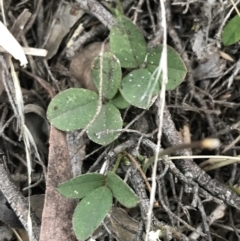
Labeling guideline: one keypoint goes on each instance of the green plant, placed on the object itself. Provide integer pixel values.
(231, 34)
(74, 109)
(97, 192)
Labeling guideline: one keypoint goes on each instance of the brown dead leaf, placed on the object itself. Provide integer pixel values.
(20, 22)
(81, 64)
(213, 67)
(118, 217)
(58, 210)
(68, 16)
(36, 121)
(37, 203)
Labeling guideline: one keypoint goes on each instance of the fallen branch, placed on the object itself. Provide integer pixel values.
(192, 170)
(96, 9)
(19, 204)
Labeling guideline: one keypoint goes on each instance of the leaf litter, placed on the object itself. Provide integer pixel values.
(196, 26)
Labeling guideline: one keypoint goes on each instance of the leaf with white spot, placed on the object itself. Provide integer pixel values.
(176, 67)
(81, 186)
(72, 109)
(127, 43)
(119, 101)
(91, 211)
(111, 74)
(102, 131)
(139, 88)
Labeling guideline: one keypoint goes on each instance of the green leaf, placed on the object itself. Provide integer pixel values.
(121, 191)
(109, 119)
(231, 33)
(176, 67)
(91, 211)
(72, 109)
(111, 74)
(119, 101)
(81, 186)
(127, 43)
(138, 88)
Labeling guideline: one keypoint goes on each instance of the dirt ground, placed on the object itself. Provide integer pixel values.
(196, 198)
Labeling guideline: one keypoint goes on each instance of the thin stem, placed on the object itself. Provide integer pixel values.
(119, 158)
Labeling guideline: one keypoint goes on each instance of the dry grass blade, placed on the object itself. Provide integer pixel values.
(30, 51)
(10, 44)
(164, 70)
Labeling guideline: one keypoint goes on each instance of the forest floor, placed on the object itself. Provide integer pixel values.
(196, 198)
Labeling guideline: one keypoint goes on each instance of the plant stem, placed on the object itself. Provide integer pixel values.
(119, 158)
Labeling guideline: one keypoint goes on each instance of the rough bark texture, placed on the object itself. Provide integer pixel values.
(18, 203)
(191, 170)
(98, 11)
